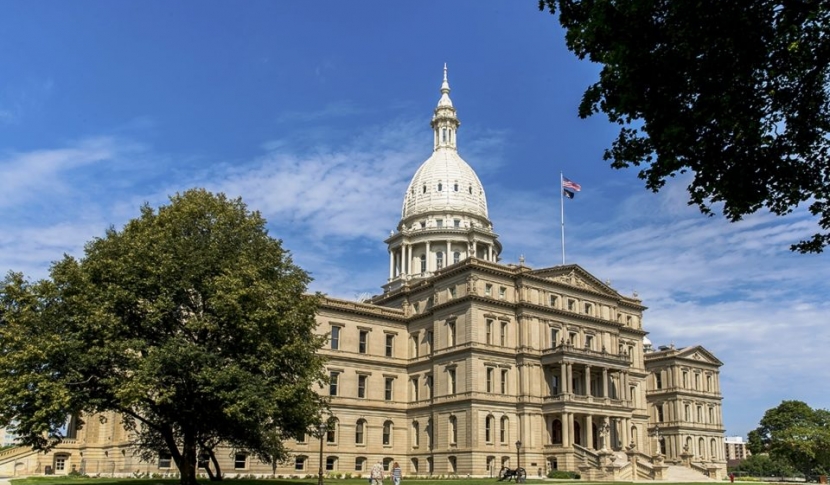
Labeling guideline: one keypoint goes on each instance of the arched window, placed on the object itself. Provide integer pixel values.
(331, 433)
(440, 186)
(503, 430)
(415, 466)
(423, 263)
(387, 462)
(471, 190)
(387, 433)
(416, 433)
(455, 187)
(713, 449)
(689, 445)
(701, 447)
(489, 424)
(452, 464)
(425, 189)
(634, 435)
(360, 463)
(453, 431)
(556, 432)
(456, 257)
(360, 432)
(439, 260)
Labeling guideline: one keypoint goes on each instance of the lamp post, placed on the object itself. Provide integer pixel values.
(518, 446)
(321, 428)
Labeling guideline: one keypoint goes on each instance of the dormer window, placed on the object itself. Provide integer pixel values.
(440, 187)
(425, 189)
(455, 187)
(471, 190)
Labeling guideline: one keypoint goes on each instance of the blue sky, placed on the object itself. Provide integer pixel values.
(317, 114)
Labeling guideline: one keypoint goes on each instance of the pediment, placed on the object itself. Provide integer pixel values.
(576, 277)
(699, 354)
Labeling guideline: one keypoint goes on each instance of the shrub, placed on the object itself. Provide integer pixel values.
(562, 474)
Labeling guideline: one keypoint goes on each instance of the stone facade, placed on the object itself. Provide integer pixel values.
(464, 365)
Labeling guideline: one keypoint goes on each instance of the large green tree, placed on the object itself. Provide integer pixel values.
(796, 434)
(735, 92)
(191, 321)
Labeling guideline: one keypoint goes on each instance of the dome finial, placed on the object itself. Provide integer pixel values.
(445, 86)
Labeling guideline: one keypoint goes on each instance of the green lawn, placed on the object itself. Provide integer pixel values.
(231, 481)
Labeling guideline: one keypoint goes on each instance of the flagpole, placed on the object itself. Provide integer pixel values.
(562, 212)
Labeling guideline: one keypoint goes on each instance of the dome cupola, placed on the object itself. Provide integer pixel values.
(444, 215)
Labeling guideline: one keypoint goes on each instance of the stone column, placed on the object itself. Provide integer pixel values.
(408, 263)
(448, 261)
(589, 432)
(570, 378)
(563, 372)
(605, 382)
(566, 435)
(571, 427)
(429, 259)
(624, 385)
(587, 380)
(391, 263)
(475, 250)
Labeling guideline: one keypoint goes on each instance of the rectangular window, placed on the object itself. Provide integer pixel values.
(697, 381)
(589, 342)
(685, 379)
(439, 222)
(429, 386)
(489, 379)
(554, 337)
(502, 292)
(571, 305)
(415, 389)
(363, 341)
(429, 341)
(503, 334)
(333, 378)
(358, 464)
(451, 381)
(552, 300)
(554, 385)
(659, 409)
(299, 463)
(390, 344)
(708, 383)
(658, 380)
(335, 338)
(456, 222)
(165, 461)
(451, 333)
(712, 415)
(488, 289)
(699, 414)
(504, 381)
(301, 439)
(60, 463)
(489, 330)
(387, 388)
(361, 386)
(588, 308)
(331, 463)
(572, 337)
(240, 461)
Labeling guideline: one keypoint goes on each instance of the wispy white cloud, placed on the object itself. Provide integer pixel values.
(340, 109)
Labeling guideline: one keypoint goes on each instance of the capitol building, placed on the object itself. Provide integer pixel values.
(464, 365)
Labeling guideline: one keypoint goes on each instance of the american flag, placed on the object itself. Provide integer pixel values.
(570, 184)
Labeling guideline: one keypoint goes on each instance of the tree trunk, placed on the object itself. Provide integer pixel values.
(215, 465)
(187, 468)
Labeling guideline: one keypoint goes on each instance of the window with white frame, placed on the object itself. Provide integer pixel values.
(363, 341)
(360, 432)
(504, 381)
(503, 334)
(361, 385)
(390, 344)
(387, 433)
(488, 325)
(299, 463)
(489, 379)
(240, 461)
(335, 337)
(387, 388)
(488, 289)
(334, 378)
(451, 381)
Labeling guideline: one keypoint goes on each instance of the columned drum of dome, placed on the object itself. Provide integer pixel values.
(444, 216)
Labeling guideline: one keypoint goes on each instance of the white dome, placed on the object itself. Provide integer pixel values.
(445, 182)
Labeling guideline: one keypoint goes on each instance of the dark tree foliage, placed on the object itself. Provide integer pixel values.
(191, 321)
(795, 434)
(735, 92)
